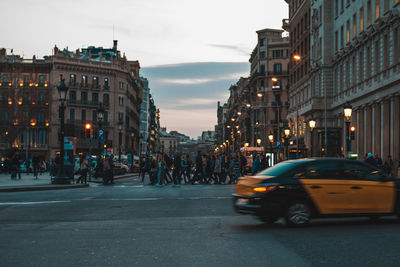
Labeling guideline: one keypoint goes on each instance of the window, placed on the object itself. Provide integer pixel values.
(26, 80)
(385, 52)
(341, 6)
(377, 57)
(386, 6)
(368, 57)
(121, 100)
(353, 71)
(84, 81)
(42, 80)
(396, 46)
(262, 54)
(42, 138)
(95, 82)
(121, 85)
(341, 36)
(262, 68)
(377, 8)
(5, 78)
(106, 81)
(41, 117)
(95, 98)
(356, 171)
(277, 68)
(94, 115)
(84, 97)
(72, 114)
(361, 67)
(336, 8)
(348, 31)
(321, 170)
(72, 79)
(336, 40)
(72, 95)
(354, 25)
(262, 42)
(369, 14)
(105, 116)
(106, 100)
(277, 53)
(361, 19)
(83, 114)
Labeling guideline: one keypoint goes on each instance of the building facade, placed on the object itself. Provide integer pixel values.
(25, 105)
(95, 76)
(144, 117)
(354, 60)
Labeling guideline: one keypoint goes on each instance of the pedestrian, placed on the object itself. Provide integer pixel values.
(188, 169)
(153, 170)
(389, 165)
(160, 171)
(243, 163)
(183, 169)
(379, 162)
(106, 170)
(14, 166)
(217, 169)
(35, 166)
(264, 162)
(370, 160)
(234, 169)
(83, 170)
(177, 171)
(199, 173)
(167, 168)
(142, 169)
(256, 165)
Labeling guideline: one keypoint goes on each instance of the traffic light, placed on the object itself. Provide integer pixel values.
(352, 132)
(88, 130)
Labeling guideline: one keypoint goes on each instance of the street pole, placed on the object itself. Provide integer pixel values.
(90, 156)
(348, 148)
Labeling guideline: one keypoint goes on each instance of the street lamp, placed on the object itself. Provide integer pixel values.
(258, 141)
(312, 124)
(296, 57)
(120, 123)
(100, 117)
(347, 109)
(286, 131)
(61, 177)
(132, 138)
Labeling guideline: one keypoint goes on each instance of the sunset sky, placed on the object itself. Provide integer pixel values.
(190, 51)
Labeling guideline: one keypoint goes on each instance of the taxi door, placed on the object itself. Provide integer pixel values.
(329, 192)
(368, 192)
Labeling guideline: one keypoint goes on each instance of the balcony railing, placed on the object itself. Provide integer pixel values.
(83, 102)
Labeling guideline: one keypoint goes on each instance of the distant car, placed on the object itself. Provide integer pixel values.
(119, 165)
(303, 189)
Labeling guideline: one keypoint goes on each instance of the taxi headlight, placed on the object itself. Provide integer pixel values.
(264, 188)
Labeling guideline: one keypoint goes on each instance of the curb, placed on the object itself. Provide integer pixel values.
(117, 178)
(41, 187)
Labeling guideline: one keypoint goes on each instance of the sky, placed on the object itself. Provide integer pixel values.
(190, 51)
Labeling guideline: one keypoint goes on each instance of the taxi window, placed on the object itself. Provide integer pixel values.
(278, 169)
(318, 170)
(359, 172)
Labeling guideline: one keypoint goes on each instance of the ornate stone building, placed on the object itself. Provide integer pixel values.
(94, 75)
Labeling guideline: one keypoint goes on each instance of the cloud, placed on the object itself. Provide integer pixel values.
(240, 49)
(193, 81)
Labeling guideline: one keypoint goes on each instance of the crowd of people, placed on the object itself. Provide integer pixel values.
(376, 161)
(163, 169)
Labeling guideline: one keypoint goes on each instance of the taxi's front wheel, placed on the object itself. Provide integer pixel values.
(298, 213)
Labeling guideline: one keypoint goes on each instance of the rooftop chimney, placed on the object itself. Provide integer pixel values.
(115, 45)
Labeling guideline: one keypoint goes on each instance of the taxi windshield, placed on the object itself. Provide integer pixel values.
(277, 169)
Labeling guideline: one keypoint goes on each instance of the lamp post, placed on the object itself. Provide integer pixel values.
(347, 109)
(312, 124)
(100, 117)
(286, 131)
(271, 140)
(120, 123)
(61, 176)
(132, 139)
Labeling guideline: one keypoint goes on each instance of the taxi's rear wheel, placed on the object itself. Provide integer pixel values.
(298, 213)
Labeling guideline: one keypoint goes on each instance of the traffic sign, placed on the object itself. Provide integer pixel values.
(101, 135)
(278, 145)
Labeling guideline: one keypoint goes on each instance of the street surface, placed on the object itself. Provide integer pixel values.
(129, 224)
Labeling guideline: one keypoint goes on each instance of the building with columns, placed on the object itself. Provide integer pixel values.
(354, 60)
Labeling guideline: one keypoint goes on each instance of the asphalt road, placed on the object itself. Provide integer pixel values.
(129, 224)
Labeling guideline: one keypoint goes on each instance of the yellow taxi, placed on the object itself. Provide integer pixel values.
(299, 190)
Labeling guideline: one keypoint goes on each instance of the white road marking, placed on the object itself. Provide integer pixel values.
(33, 203)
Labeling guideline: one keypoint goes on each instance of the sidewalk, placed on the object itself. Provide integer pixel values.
(28, 183)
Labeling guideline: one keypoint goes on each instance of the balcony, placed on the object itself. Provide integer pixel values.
(86, 103)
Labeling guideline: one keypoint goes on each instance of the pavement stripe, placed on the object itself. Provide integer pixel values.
(32, 203)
